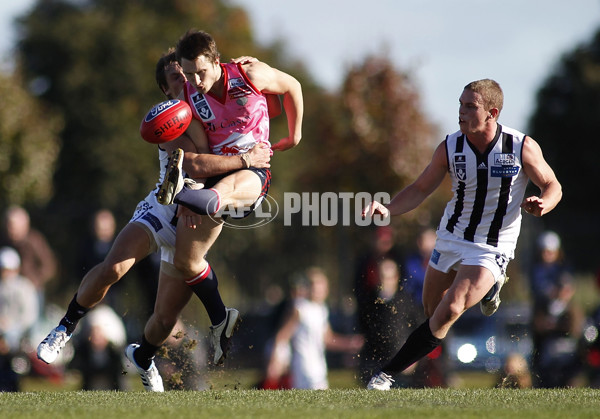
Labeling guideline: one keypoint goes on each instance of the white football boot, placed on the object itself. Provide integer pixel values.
(380, 381)
(49, 349)
(151, 378)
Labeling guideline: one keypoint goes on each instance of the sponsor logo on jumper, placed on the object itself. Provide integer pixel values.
(504, 159)
(238, 88)
(504, 171)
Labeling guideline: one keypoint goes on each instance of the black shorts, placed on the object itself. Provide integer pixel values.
(265, 178)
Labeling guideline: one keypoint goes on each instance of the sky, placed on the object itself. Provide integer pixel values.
(442, 44)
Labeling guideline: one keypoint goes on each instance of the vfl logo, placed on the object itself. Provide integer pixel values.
(202, 107)
(460, 166)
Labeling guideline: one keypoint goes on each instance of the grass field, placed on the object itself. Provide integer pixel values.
(335, 403)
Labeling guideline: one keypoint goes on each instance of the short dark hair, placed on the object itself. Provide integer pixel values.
(196, 43)
(168, 58)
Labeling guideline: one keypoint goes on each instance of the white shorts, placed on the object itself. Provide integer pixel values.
(450, 252)
(160, 222)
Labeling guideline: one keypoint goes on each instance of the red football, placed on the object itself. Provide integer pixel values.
(166, 121)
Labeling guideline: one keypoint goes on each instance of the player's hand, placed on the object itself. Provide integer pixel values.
(533, 205)
(260, 156)
(375, 208)
(189, 217)
(244, 59)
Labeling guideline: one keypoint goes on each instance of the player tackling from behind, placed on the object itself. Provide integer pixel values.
(489, 165)
(152, 228)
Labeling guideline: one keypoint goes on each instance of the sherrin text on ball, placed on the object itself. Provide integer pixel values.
(166, 121)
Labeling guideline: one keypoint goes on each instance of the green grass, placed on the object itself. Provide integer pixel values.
(231, 397)
(335, 403)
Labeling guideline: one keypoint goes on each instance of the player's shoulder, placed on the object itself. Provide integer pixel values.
(256, 69)
(512, 131)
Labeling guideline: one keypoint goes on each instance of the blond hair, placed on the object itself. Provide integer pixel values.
(490, 91)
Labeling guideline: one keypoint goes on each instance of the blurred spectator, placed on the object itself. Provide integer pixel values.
(366, 280)
(366, 275)
(38, 262)
(591, 344)
(308, 333)
(19, 305)
(386, 319)
(278, 312)
(557, 321)
(557, 329)
(549, 268)
(515, 373)
(182, 361)
(19, 310)
(99, 350)
(591, 348)
(9, 379)
(415, 265)
(95, 247)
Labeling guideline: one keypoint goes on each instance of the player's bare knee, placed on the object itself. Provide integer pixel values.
(189, 267)
(186, 267)
(453, 312)
(110, 273)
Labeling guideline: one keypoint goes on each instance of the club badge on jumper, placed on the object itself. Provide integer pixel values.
(460, 166)
(202, 107)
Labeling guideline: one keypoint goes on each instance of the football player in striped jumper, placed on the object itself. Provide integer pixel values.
(489, 165)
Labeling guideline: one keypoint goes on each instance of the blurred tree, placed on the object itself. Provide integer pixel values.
(371, 137)
(565, 123)
(29, 144)
(94, 60)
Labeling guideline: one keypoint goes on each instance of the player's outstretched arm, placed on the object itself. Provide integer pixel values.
(411, 197)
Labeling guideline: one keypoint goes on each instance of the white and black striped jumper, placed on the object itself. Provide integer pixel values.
(488, 188)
